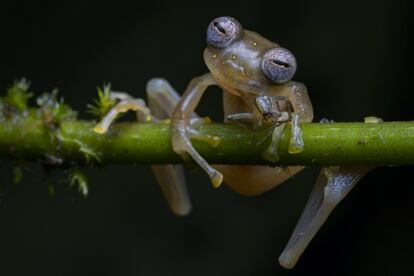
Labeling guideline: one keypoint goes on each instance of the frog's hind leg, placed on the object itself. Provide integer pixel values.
(333, 184)
(162, 99)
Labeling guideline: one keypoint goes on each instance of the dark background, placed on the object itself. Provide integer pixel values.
(355, 58)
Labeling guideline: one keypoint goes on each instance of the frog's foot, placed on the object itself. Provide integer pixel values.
(126, 103)
(296, 144)
(333, 184)
(194, 134)
(183, 147)
(271, 153)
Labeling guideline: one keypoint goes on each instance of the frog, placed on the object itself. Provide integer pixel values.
(255, 75)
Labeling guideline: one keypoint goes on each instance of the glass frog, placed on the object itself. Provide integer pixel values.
(255, 75)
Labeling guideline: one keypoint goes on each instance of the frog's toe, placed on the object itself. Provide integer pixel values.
(272, 151)
(217, 179)
(106, 121)
(212, 140)
(100, 129)
(296, 143)
(243, 119)
(194, 134)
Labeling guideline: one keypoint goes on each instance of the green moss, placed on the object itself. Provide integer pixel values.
(53, 109)
(78, 180)
(104, 103)
(18, 95)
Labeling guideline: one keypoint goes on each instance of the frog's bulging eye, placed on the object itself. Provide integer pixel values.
(223, 31)
(279, 65)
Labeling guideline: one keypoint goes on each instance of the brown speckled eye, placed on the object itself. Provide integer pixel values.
(222, 31)
(279, 65)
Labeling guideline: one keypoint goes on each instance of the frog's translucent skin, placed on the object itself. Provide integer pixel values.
(237, 69)
(249, 97)
(162, 99)
(332, 186)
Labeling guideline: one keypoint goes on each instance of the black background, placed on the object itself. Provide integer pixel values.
(355, 58)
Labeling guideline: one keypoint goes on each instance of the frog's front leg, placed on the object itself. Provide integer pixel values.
(182, 131)
(302, 112)
(247, 179)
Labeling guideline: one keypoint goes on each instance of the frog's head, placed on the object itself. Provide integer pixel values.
(242, 60)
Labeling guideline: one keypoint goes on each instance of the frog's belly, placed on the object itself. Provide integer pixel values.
(254, 180)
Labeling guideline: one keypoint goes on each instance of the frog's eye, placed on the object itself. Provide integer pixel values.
(222, 31)
(279, 65)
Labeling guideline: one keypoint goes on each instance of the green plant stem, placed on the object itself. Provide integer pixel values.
(29, 138)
